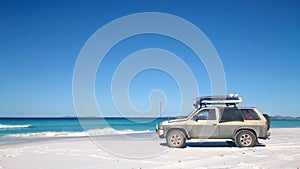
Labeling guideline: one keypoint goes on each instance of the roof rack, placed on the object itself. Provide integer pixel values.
(227, 100)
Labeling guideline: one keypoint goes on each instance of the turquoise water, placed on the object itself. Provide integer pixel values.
(22, 129)
(16, 130)
(285, 123)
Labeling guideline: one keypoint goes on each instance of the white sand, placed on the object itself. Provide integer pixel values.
(281, 151)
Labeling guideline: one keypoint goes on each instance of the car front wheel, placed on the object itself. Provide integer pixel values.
(245, 138)
(176, 139)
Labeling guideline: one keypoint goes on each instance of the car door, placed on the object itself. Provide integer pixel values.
(204, 124)
(231, 118)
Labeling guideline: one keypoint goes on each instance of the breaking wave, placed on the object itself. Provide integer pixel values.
(93, 132)
(4, 126)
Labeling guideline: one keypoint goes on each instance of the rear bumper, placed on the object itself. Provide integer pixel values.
(267, 136)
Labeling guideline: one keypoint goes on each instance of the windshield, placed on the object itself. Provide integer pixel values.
(186, 115)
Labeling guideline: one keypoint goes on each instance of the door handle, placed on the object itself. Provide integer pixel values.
(214, 124)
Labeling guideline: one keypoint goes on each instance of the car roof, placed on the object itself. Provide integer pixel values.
(239, 107)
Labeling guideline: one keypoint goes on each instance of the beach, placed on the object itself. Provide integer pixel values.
(282, 150)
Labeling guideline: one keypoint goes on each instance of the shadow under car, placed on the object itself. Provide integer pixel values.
(213, 144)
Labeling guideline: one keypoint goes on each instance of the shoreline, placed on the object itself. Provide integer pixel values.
(281, 151)
(47, 139)
(274, 117)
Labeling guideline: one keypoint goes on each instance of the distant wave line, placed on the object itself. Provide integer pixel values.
(93, 132)
(5, 126)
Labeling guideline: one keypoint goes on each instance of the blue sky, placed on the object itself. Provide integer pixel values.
(258, 43)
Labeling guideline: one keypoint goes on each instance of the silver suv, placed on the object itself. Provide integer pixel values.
(242, 125)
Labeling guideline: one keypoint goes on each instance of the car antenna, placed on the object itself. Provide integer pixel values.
(160, 109)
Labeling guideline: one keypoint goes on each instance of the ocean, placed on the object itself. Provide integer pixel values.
(13, 130)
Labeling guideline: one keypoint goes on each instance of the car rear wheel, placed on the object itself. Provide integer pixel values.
(245, 138)
(176, 139)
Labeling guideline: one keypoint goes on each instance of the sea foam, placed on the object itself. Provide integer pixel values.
(5, 126)
(93, 132)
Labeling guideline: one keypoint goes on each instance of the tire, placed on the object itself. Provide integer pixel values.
(268, 121)
(245, 138)
(176, 139)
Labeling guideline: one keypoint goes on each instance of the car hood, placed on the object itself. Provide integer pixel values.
(177, 120)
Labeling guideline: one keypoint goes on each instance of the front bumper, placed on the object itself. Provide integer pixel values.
(159, 131)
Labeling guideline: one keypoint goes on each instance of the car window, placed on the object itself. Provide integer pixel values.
(206, 115)
(249, 114)
(231, 114)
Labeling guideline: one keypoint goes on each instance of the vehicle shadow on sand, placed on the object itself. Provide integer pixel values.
(212, 144)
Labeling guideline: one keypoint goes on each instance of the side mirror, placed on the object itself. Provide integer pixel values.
(195, 118)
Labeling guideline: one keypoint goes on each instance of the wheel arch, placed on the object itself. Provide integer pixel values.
(180, 129)
(245, 128)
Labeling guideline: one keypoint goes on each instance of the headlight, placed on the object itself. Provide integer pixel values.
(161, 126)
